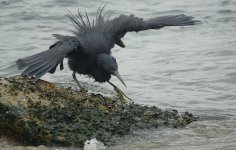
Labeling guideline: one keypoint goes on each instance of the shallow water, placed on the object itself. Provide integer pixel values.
(185, 68)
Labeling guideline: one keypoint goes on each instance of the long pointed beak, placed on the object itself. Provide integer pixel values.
(116, 73)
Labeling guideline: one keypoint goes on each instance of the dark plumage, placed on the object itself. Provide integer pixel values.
(89, 49)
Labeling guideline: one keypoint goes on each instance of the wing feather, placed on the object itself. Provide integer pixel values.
(39, 64)
(123, 24)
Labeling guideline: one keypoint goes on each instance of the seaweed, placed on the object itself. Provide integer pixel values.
(44, 113)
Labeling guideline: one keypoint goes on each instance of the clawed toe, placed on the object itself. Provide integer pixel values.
(121, 93)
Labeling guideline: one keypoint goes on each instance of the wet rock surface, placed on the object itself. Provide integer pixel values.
(44, 113)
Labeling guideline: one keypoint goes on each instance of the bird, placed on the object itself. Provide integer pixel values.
(88, 48)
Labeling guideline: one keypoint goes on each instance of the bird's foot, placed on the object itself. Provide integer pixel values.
(121, 94)
(83, 90)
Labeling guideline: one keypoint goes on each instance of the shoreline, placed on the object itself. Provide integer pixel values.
(43, 113)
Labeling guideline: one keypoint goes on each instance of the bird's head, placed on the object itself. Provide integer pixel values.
(108, 63)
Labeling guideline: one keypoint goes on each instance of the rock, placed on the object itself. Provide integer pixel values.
(44, 113)
(94, 144)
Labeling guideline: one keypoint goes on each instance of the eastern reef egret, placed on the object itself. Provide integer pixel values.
(89, 49)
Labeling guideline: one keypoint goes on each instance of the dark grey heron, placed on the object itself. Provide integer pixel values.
(89, 49)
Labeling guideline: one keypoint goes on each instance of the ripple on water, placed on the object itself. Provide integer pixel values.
(201, 135)
(186, 68)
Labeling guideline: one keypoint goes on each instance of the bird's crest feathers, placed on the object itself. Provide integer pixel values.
(84, 25)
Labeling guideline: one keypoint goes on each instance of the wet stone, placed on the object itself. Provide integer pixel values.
(44, 113)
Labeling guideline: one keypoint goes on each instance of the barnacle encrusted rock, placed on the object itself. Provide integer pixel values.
(44, 113)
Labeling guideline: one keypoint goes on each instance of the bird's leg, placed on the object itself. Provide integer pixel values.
(74, 77)
(119, 92)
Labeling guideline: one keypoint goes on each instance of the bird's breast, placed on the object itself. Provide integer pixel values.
(87, 65)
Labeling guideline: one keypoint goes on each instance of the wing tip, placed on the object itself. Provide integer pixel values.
(20, 64)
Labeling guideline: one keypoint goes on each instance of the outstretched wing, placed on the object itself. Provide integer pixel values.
(39, 64)
(123, 24)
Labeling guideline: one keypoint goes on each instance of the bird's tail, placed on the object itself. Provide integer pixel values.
(174, 20)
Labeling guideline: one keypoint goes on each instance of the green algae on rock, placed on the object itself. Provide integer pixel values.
(44, 113)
